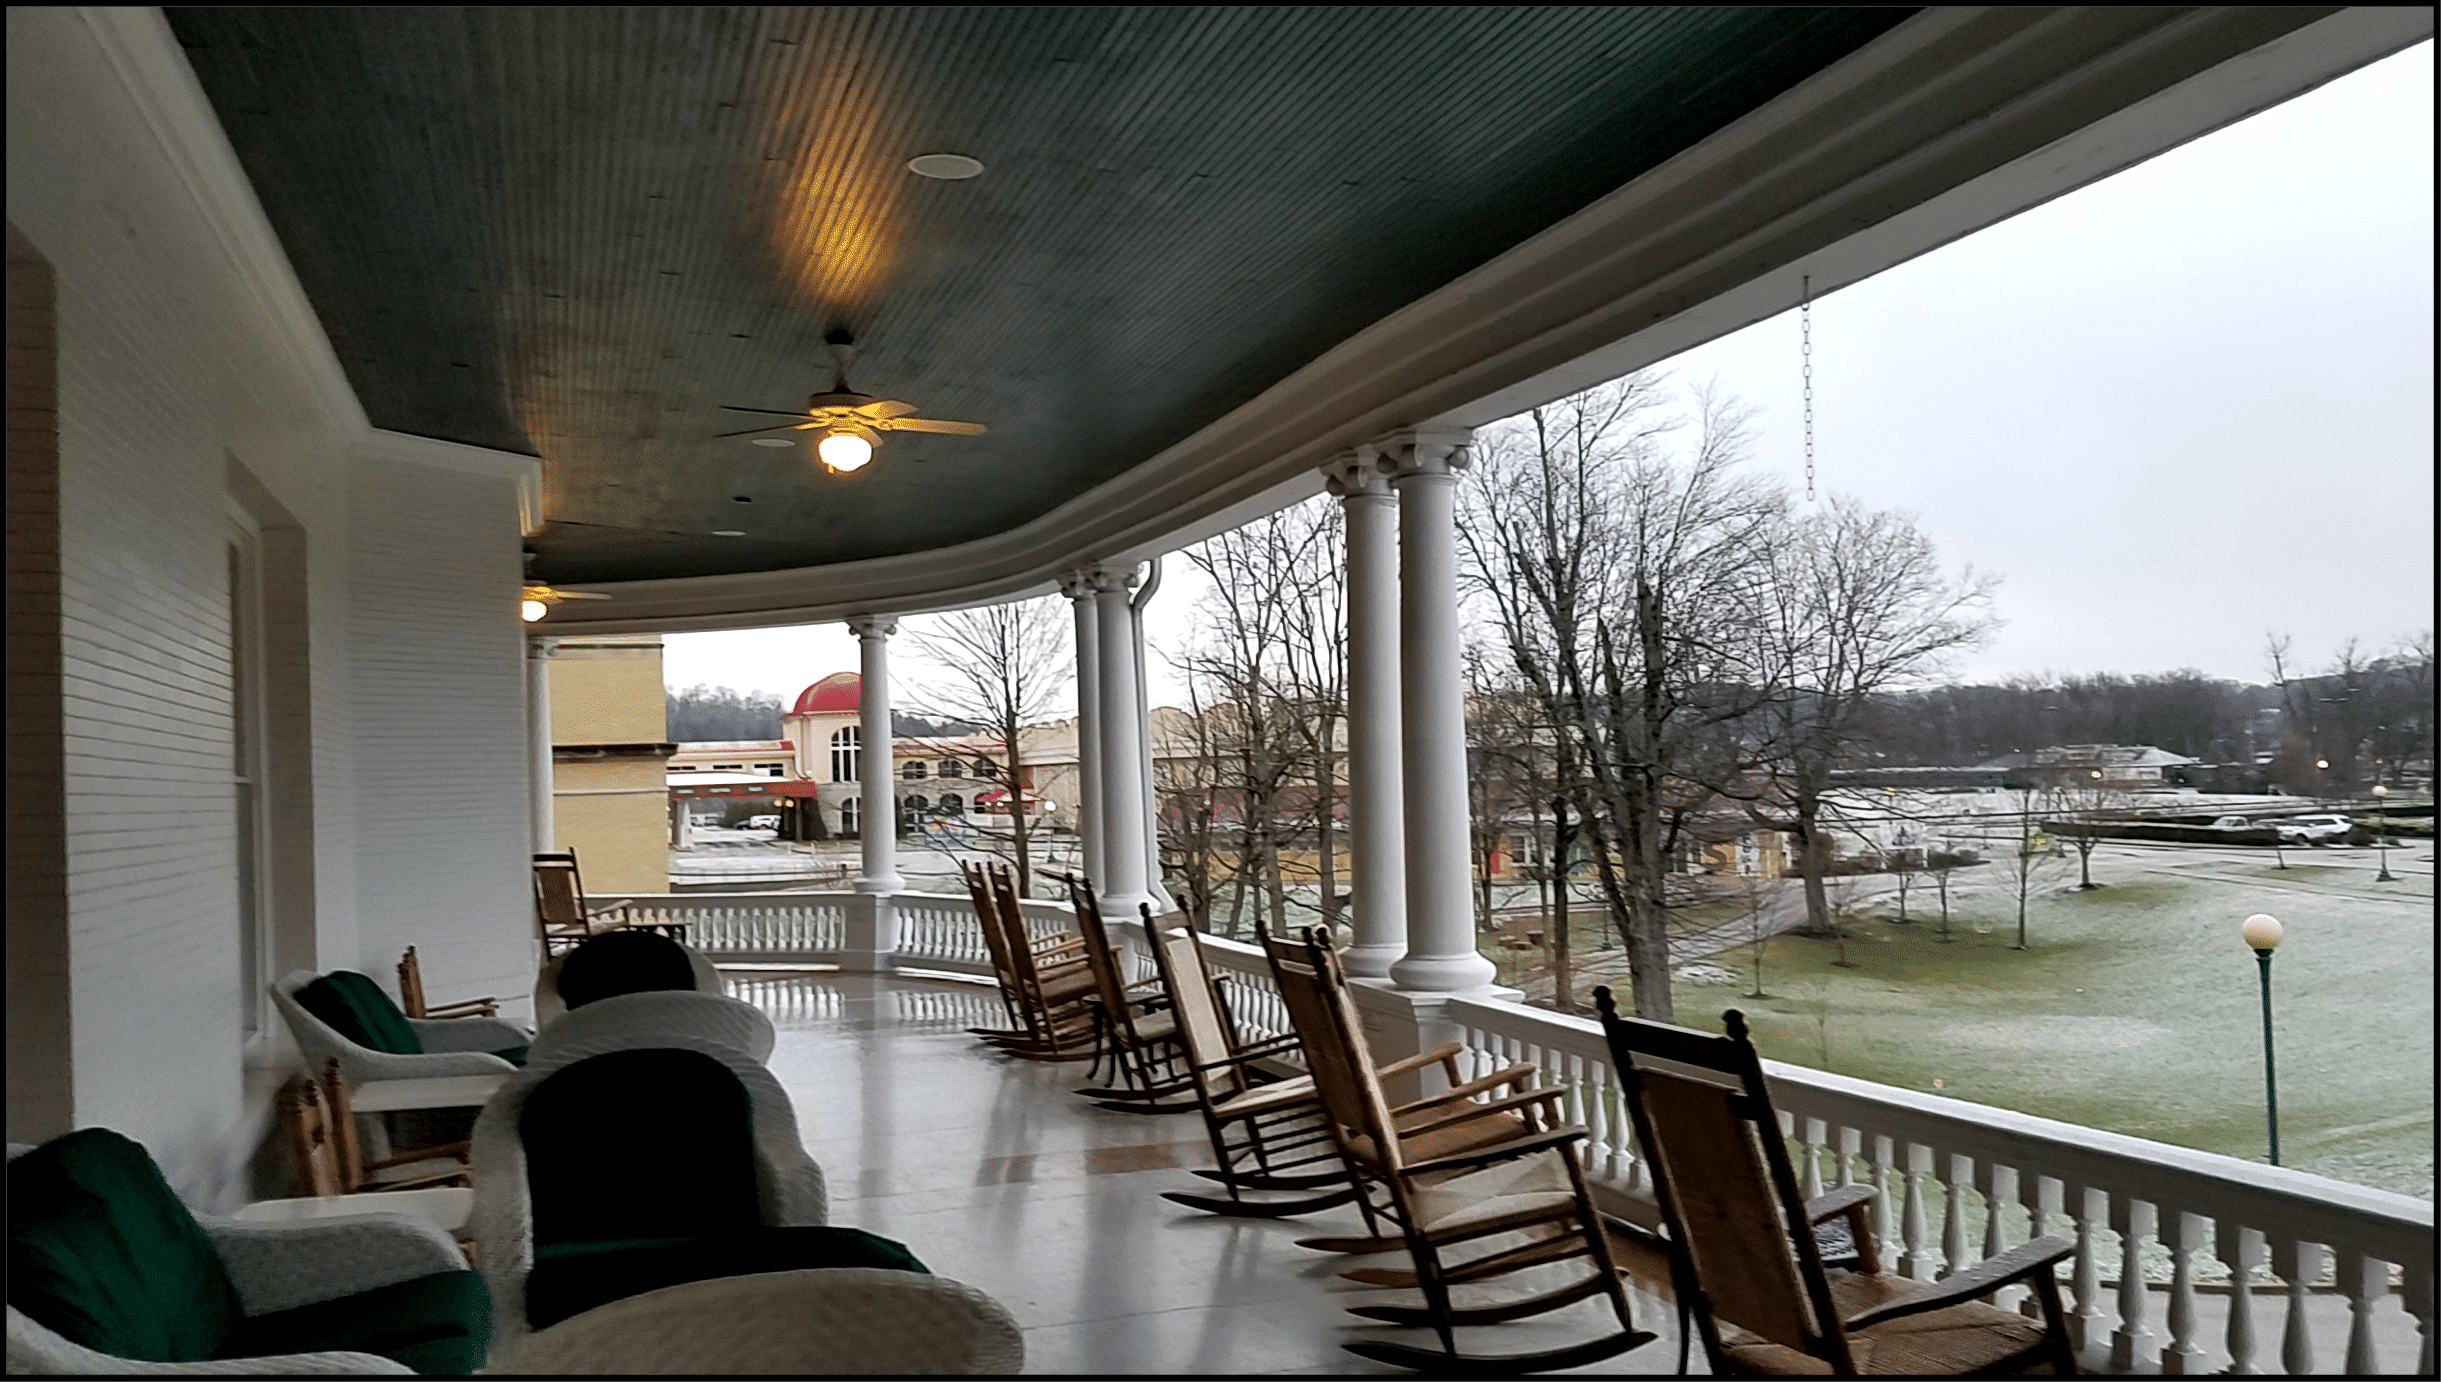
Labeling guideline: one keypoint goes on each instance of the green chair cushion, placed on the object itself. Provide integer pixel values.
(440, 1325)
(356, 1008)
(514, 1055)
(102, 1252)
(647, 1143)
(571, 1278)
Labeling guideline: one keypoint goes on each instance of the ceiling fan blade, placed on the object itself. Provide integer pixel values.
(886, 407)
(578, 595)
(775, 427)
(774, 412)
(926, 424)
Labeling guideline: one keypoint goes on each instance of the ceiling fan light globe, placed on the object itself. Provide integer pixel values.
(532, 610)
(844, 451)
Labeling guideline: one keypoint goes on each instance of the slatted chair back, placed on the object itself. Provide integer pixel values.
(1721, 1171)
(560, 909)
(995, 935)
(1314, 989)
(1203, 1028)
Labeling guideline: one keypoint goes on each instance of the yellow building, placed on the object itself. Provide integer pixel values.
(609, 742)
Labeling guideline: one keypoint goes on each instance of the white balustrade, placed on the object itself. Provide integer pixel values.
(2157, 1228)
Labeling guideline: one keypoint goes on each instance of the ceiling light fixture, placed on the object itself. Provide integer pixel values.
(845, 447)
(945, 167)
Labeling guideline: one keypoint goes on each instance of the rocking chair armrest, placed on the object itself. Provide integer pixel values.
(1262, 1051)
(1521, 1075)
(1061, 944)
(1830, 1204)
(469, 1007)
(1408, 1064)
(459, 1150)
(1469, 1112)
(1547, 1140)
(1985, 1277)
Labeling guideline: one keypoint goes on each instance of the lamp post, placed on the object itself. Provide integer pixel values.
(2381, 836)
(2261, 933)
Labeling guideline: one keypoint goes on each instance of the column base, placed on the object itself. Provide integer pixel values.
(872, 933)
(1465, 973)
(1401, 1022)
(1370, 961)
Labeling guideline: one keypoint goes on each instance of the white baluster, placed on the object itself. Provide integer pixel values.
(1912, 1261)
(1960, 1172)
(2085, 1276)
(2364, 1281)
(2039, 1196)
(2239, 1249)
(1812, 1142)
(2297, 1264)
(1850, 1162)
(1998, 1185)
(2131, 1343)
(2181, 1232)
(2416, 1294)
(1885, 1227)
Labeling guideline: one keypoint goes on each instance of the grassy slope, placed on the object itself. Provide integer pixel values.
(2136, 1009)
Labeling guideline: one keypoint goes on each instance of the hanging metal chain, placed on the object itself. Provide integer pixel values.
(1805, 335)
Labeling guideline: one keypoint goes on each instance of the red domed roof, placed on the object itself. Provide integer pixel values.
(840, 691)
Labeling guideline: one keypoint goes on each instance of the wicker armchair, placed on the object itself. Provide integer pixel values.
(405, 1271)
(452, 1046)
(789, 1188)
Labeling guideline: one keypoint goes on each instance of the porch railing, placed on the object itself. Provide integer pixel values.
(2155, 1226)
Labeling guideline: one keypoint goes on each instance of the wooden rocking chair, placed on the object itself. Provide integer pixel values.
(1744, 1251)
(565, 917)
(1274, 1124)
(321, 1125)
(1459, 1212)
(1044, 981)
(411, 995)
(1139, 1035)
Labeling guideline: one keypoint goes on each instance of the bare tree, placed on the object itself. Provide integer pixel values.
(1859, 607)
(1616, 575)
(1005, 664)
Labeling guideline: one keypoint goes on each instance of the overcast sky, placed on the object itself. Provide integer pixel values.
(2173, 411)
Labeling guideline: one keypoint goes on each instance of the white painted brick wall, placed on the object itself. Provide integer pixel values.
(171, 363)
(442, 861)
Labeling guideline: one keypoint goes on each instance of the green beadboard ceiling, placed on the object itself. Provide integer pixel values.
(575, 233)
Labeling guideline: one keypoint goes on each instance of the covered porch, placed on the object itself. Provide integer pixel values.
(323, 346)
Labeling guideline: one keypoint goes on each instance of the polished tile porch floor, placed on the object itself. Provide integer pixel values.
(995, 1174)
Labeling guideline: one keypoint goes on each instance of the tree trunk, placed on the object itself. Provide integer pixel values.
(1563, 979)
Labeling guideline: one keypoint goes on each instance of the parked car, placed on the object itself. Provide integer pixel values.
(773, 823)
(2234, 823)
(2311, 830)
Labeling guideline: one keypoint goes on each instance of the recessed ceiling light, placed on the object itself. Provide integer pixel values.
(773, 441)
(947, 167)
(728, 532)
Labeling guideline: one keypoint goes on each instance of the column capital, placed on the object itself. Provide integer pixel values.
(1354, 475)
(538, 647)
(1077, 584)
(873, 625)
(1420, 451)
(1107, 578)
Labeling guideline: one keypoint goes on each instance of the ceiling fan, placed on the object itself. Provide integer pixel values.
(850, 423)
(538, 599)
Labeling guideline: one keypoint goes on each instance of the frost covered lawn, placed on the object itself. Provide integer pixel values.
(2136, 1007)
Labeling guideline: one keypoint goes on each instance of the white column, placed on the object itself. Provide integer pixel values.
(877, 813)
(1376, 825)
(1078, 587)
(682, 824)
(1120, 884)
(1441, 955)
(538, 740)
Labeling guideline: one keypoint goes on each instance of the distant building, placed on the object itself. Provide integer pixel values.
(609, 739)
(2127, 767)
